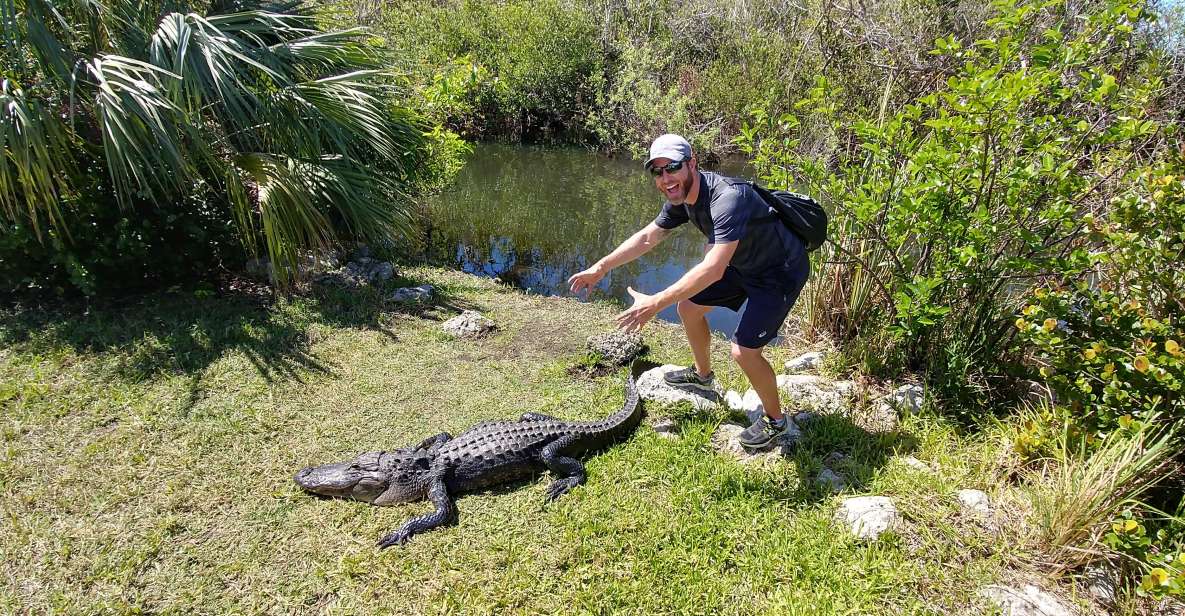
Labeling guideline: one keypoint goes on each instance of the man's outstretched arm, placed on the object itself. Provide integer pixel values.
(695, 280)
(637, 245)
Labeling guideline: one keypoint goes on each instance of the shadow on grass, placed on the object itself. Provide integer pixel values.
(184, 331)
(829, 441)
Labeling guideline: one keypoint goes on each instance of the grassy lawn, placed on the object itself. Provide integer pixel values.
(148, 450)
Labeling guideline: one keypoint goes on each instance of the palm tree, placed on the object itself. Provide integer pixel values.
(291, 127)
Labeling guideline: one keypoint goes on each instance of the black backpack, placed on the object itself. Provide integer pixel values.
(800, 213)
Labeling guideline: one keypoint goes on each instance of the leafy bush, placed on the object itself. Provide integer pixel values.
(286, 131)
(944, 210)
(1162, 560)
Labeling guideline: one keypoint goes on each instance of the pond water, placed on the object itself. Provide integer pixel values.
(532, 217)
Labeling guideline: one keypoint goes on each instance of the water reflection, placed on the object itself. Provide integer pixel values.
(532, 217)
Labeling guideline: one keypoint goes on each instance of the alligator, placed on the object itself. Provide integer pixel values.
(485, 455)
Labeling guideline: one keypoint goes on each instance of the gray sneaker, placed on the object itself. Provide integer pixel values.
(688, 378)
(763, 432)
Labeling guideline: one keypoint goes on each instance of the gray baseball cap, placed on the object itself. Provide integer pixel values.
(669, 146)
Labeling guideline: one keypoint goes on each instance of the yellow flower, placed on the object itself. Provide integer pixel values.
(1030, 310)
(1049, 324)
(1022, 324)
(1089, 354)
(1149, 323)
(1045, 371)
(1173, 348)
(1108, 370)
(1040, 293)
(1159, 577)
(1141, 364)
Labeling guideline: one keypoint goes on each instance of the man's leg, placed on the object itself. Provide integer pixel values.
(761, 377)
(699, 337)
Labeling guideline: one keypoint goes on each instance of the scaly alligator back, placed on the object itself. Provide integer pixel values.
(494, 452)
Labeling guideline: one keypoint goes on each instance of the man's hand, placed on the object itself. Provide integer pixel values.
(586, 279)
(644, 309)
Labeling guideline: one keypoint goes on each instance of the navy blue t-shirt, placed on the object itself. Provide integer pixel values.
(724, 212)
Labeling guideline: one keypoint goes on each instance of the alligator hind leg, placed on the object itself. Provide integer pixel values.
(570, 470)
(445, 512)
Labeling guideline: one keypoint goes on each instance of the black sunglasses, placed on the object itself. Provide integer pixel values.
(656, 171)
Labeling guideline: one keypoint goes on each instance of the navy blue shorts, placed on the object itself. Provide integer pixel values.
(769, 302)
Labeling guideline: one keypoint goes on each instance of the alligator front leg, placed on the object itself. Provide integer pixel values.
(445, 512)
(432, 442)
(570, 470)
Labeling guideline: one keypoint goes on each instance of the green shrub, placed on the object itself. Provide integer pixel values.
(1112, 346)
(115, 116)
(943, 210)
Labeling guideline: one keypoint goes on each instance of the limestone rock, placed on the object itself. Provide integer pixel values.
(749, 404)
(907, 399)
(831, 480)
(846, 389)
(616, 347)
(358, 273)
(468, 324)
(807, 362)
(666, 428)
(725, 440)
(812, 391)
(835, 459)
(916, 464)
(412, 295)
(652, 387)
(868, 516)
(1027, 601)
(975, 502)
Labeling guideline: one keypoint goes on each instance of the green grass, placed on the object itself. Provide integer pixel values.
(147, 454)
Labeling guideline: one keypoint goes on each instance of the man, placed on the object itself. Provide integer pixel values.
(750, 256)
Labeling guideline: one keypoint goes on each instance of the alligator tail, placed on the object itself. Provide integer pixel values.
(627, 418)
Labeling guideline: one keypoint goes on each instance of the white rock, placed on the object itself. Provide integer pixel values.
(915, 464)
(412, 295)
(975, 502)
(666, 428)
(868, 516)
(805, 363)
(884, 418)
(810, 390)
(468, 324)
(845, 388)
(725, 440)
(834, 459)
(616, 347)
(791, 381)
(652, 387)
(907, 399)
(832, 480)
(749, 404)
(1029, 601)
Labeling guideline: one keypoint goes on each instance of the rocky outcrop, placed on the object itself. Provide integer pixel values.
(468, 324)
(412, 295)
(868, 516)
(1026, 601)
(616, 347)
(652, 387)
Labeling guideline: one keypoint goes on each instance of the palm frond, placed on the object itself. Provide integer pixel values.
(37, 165)
(138, 124)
